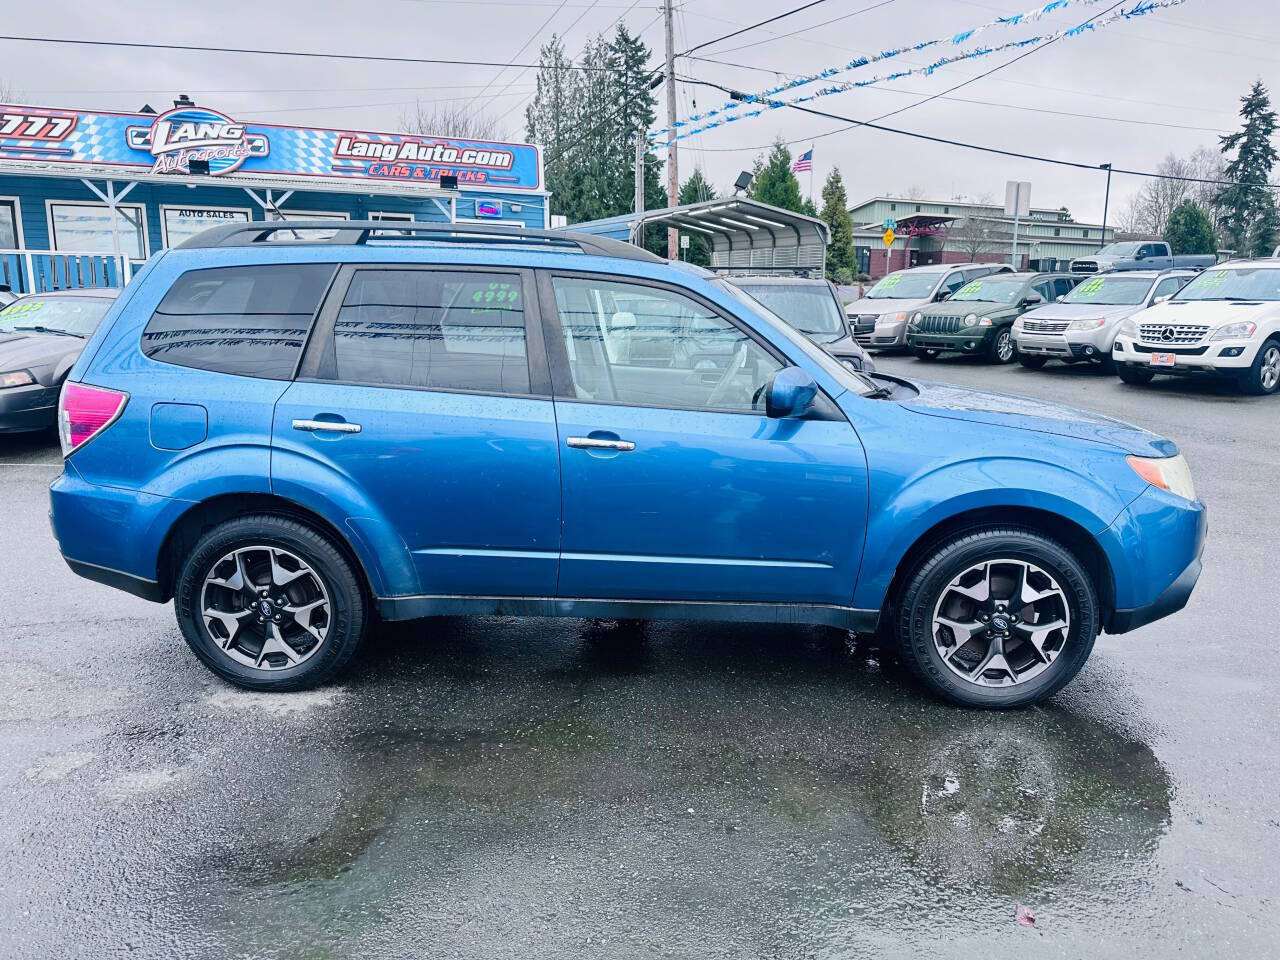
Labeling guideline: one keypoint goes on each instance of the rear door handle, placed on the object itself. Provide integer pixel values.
(326, 426)
(599, 443)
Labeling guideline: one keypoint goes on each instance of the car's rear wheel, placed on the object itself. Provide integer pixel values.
(925, 353)
(997, 617)
(1264, 376)
(1032, 363)
(1002, 348)
(268, 603)
(1131, 374)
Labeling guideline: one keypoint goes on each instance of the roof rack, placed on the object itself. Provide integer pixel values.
(360, 232)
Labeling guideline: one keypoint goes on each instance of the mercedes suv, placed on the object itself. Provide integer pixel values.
(288, 438)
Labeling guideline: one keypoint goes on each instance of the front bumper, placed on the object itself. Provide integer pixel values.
(1160, 539)
(32, 407)
(885, 336)
(972, 340)
(1210, 357)
(1070, 345)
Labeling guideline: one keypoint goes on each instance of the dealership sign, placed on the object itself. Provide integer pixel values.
(167, 144)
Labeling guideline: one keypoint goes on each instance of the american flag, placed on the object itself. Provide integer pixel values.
(804, 162)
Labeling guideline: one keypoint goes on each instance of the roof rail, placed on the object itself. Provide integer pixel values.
(359, 232)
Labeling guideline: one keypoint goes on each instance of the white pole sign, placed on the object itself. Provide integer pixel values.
(1017, 204)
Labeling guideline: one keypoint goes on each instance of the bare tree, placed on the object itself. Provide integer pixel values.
(980, 231)
(914, 192)
(458, 120)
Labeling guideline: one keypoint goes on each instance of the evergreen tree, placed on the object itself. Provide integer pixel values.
(695, 190)
(835, 212)
(774, 182)
(1189, 230)
(552, 120)
(1247, 207)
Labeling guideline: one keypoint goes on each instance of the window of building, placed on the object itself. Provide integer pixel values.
(917, 208)
(893, 206)
(394, 217)
(10, 224)
(87, 228)
(632, 344)
(1085, 234)
(250, 320)
(433, 329)
(182, 223)
(1057, 231)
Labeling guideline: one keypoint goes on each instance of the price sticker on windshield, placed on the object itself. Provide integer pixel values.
(891, 281)
(1090, 288)
(972, 287)
(1214, 279)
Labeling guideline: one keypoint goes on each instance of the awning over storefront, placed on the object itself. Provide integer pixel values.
(746, 236)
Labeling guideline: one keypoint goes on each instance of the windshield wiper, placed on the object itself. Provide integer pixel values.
(879, 393)
(40, 329)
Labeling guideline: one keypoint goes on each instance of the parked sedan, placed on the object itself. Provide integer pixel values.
(813, 307)
(978, 318)
(41, 335)
(1083, 326)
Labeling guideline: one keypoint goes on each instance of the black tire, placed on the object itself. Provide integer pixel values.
(949, 559)
(1002, 348)
(1135, 375)
(1254, 380)
(926, 354)
(348, 606)
(1109, 364)
(1031, 362)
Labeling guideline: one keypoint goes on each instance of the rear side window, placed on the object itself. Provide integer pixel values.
(433, 329)
(250, 321)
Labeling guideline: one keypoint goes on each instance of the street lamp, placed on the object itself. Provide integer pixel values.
(1105, 203)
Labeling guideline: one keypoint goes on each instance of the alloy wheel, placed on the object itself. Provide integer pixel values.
(1001, 622)
(265, 607)
(1270, 372)
(1004, 346)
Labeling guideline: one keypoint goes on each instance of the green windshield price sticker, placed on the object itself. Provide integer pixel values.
(973, 286)
(1090, 288)
(23, 306)
(891, 281)
(495, 296)
(1216, 278)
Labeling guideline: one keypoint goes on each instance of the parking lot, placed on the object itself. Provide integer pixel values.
(514, 788)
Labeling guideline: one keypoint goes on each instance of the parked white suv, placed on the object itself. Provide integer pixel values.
(1225, 322)
(1083, 325)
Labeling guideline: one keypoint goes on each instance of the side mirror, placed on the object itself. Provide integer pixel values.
(941, 295)
(1140, 255)
(1032, 300)
(622, 321)
(1059, 298)
(791, 393)
(1162, 298)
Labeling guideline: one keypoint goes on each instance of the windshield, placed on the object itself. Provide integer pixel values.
(1111, 290)
(809, 308)
(75, 315)
(834, 368)
(1126, 249)
(1252, 283)
(905, 286)
(995, 289)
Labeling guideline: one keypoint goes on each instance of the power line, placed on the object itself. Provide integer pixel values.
(816, 26)
(753, 26)
(528, 40)
(192, 48)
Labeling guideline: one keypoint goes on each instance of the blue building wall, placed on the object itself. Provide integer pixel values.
(33, 192)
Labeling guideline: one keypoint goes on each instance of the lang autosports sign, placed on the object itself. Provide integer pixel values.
(168, 143)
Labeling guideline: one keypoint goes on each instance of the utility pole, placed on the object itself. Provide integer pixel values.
(1106, 202)
(673, 172)
(637, 231)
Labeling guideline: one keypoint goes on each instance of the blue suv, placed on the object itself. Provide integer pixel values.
(289, 428)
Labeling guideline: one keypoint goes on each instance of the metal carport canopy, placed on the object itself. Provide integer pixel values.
(746, 236)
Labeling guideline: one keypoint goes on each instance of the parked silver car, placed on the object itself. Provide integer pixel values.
(1083, 325)
(879, 319)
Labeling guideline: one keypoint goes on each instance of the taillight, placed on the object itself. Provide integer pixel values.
(84, 412)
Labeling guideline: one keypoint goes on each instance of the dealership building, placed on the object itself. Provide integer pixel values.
(86, 196)
(958, 231)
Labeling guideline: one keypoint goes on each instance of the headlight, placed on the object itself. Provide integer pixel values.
(16, 378)
(1086, 324)
(1167, 473)
(984, 322)
(970, 319)
(916, 318)
(888, 319)
(1235, 331)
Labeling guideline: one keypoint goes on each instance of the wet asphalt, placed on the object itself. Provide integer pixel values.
(518, 788)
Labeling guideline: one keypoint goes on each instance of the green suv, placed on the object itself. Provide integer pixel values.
(978, 318)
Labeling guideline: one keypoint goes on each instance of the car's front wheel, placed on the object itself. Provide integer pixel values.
(1263, 377)
(997, 617)
(1032, 362)
(268, 603)
(925, 353)
(1131, 374)
(1002, 348)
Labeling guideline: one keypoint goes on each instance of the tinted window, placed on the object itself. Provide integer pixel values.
(433, 329)
(250, 321)
(1169, 286)
(1062, 286)
(633, 344)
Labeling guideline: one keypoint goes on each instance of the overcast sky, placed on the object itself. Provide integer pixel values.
(1185, 67)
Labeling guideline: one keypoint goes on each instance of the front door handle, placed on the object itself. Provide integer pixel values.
(600, 443)
(326, 426)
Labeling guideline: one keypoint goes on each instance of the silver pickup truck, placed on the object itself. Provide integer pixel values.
(1140, 255)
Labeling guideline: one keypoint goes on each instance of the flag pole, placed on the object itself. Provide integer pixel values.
(811, 200)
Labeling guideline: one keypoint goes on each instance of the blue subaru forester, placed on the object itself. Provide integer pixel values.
(287, 427)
